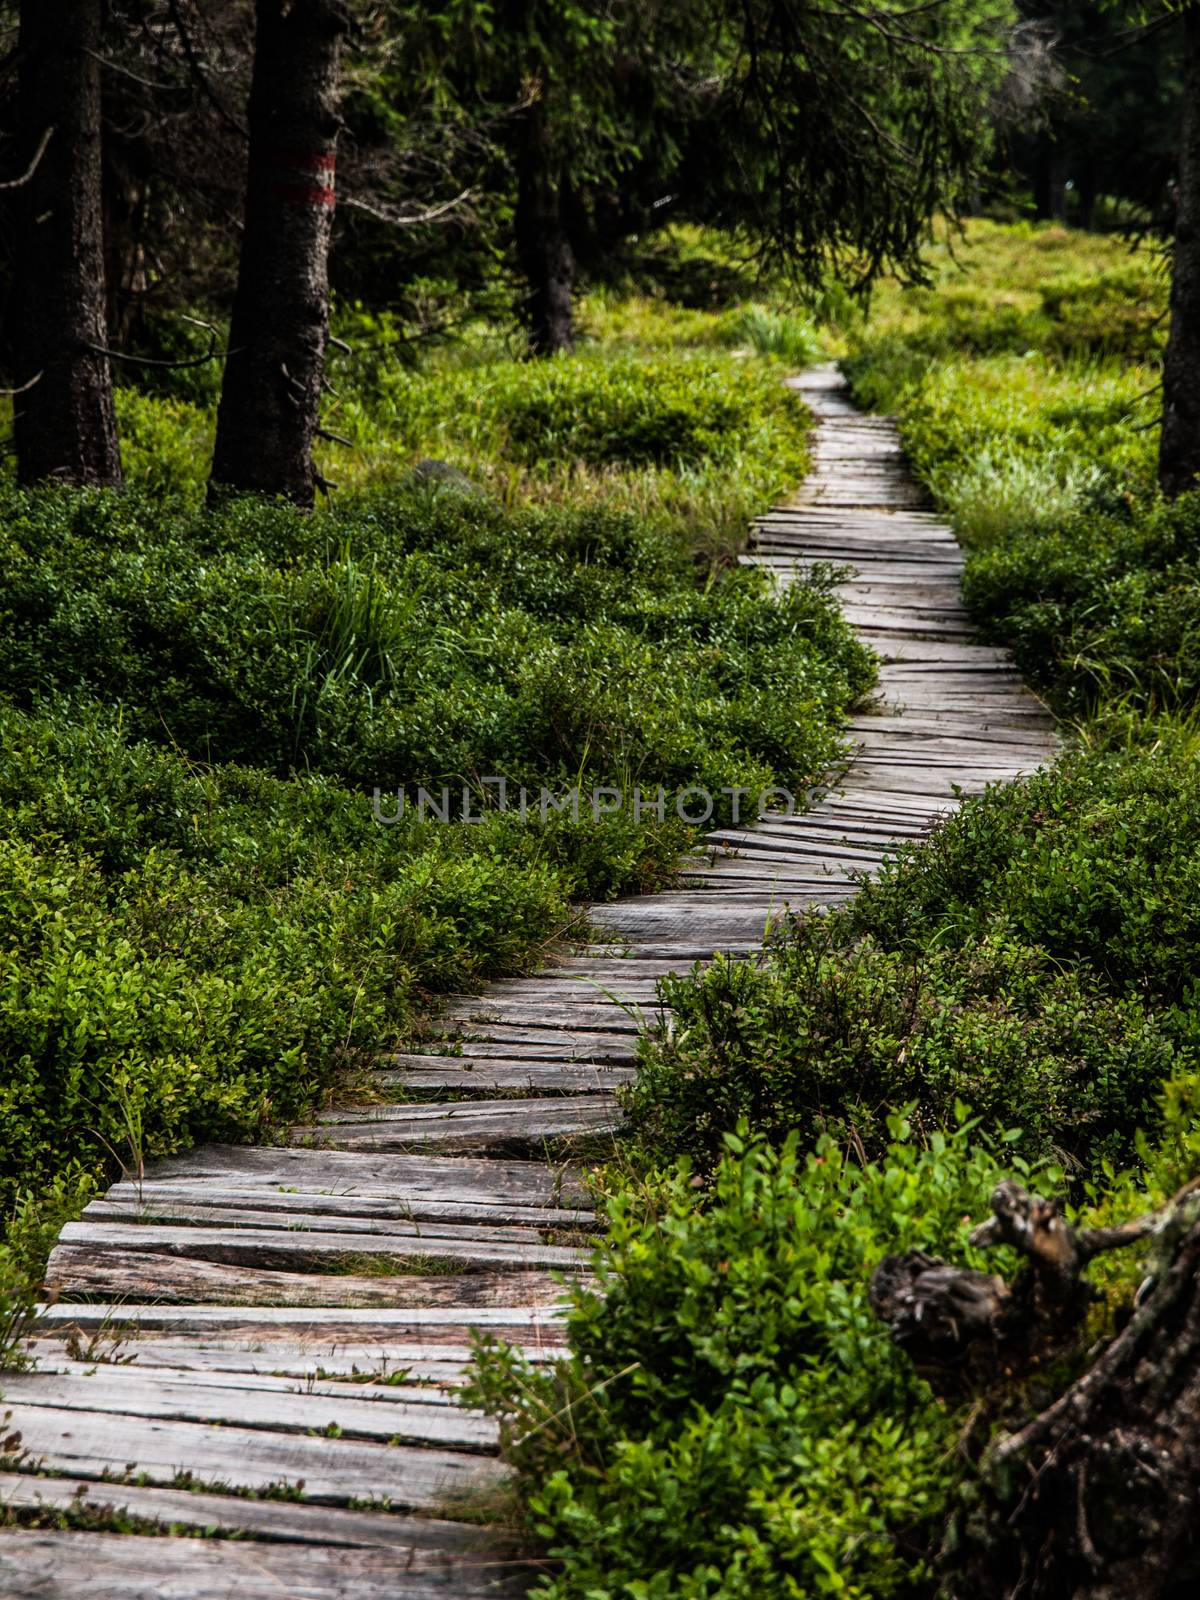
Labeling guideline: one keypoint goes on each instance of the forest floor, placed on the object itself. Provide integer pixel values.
(223, 943)
(292, 1320)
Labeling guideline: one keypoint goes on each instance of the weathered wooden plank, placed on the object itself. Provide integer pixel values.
(36, 1565)
(301, 1249)
(423, 1543)
(480, 1011)
(356, 1412)
(436, 1323)
(793, 842)
(466, 1125)
(289, 1353)
(129, 1200)
(575, 988)
(470, 1076)
(498, 1038)
(294, 1214)
(229, 1378)
(182, 1280)
(91, 1444)
(395, 1177)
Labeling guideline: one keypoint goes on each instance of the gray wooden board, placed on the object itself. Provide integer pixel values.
(554, 1044)
(294, 1246)
(478, 1077)
(385, 1387)
(572, 988)
(467, 1125)
(94, 1443)
(425, 1542)
(161, 1200)
(394, 1177)
(580, 1114)
(294, 1213)
(336, 1325)
(683, 950)
(123, 1378)
(915, 731)
(274, 1352)
(132, 1275)
(353, 1413)
(611, 970)
(607, 1017)
(795, 842)
(36, 1565)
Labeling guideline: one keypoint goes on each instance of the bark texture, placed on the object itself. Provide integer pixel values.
(64, 423)
(270, 399)
(543, 249)
(1098, 1496)
(1179, 451)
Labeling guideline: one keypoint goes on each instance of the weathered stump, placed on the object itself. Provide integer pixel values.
(1098, 1496)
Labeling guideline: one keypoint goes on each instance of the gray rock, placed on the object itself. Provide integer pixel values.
(431, 474)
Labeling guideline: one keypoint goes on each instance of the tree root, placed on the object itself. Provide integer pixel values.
(1098, 1496)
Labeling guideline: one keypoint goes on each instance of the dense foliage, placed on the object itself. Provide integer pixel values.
(203, 925)
(1033, 960)
(731, 1418)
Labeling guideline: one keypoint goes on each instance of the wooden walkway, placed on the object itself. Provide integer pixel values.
(268, 1340)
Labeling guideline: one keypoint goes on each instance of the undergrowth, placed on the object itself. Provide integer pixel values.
(204, 925)
(1015, 996)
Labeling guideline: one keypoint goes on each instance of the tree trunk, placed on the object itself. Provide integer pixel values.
(64, 425)
(543, 250)
(270, 398)
(1179, 450)
(1050, 182)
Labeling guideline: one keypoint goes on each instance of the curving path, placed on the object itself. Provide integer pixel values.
(267, 1341)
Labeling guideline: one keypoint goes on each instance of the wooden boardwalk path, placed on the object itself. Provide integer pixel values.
(268, 1340)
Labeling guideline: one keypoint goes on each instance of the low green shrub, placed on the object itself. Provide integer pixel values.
(1101, 605)
(1095, 860)
(166, 445)
(190, 952)
(834, 1030)
(732, 1422)
(424, 638)
(633, 412)
(790, 336)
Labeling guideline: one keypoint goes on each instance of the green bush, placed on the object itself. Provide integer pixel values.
(732, 1422)
(1095, 860)
(788, 335)
(422, 638)
(189, 952)
(1103, 605)
(834, 1030)
(166, 445)
(633, 412)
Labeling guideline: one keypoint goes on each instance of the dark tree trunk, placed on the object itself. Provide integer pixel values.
(271, 394)
(543, 250)
(64, 425)
(1050, 182)
(1179, 451)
